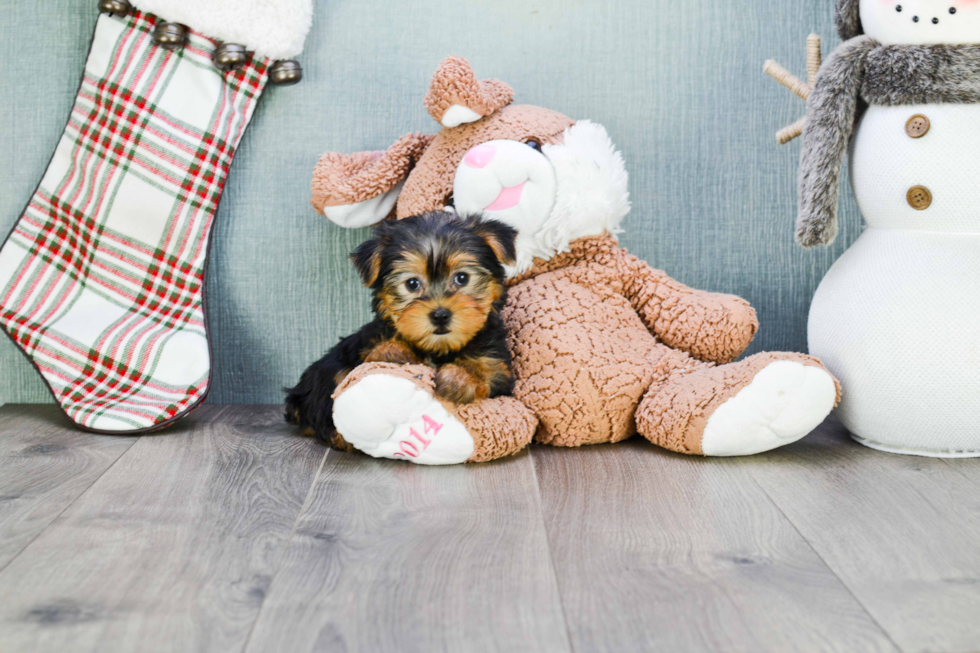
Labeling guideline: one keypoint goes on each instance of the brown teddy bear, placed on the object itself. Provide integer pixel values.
(603, 345)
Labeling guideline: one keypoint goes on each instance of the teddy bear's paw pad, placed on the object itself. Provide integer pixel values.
(390, 417)
(783, 402)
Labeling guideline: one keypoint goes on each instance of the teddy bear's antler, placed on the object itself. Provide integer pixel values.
(457, 97)
(795, 84)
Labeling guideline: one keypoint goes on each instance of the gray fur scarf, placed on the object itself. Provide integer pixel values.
(890, 75)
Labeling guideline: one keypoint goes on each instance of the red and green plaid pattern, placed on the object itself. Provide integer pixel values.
(101, 280)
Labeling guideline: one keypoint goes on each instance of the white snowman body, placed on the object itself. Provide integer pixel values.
(897, 318)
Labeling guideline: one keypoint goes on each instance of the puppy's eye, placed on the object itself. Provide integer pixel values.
(534, 145)
(413, 285)
(461, 279)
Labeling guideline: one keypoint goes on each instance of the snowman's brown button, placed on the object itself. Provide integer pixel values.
(917, 126)
(919, 198)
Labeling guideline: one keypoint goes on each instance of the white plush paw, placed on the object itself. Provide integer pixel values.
(388, 416)
(784, 402)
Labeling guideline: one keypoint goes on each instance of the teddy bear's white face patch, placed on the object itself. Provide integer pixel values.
(570, 189)
(508, 181)
(921, 22)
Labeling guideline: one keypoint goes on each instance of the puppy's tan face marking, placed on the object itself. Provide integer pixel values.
(416, 325)
(406, 283)
(425, 284)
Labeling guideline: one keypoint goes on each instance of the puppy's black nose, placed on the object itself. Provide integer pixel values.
(440, 317)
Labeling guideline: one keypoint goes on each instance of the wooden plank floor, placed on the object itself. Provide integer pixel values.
(229, 533)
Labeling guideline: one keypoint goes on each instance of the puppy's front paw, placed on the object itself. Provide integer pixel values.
(457, 384)
(392, 351)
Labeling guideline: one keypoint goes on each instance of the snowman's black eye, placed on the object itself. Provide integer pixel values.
(898, 8)
(534, 145)
(935, 21)
(952, 10)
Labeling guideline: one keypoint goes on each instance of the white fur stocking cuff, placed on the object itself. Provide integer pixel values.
(271, 28)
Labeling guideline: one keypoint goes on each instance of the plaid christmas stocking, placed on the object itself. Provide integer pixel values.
(102, 278)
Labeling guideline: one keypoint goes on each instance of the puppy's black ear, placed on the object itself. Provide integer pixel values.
(367, 260)
(500, 238)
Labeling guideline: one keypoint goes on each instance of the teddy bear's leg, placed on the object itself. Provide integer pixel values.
(500, 427)
(757, 404)
(391, 411)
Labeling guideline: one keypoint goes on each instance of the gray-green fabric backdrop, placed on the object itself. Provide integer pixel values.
(678, 84)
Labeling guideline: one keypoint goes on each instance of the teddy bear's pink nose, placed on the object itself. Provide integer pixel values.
(480, 155)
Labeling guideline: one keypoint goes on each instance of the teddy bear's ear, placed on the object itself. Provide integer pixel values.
(360, 189)
(456, 97)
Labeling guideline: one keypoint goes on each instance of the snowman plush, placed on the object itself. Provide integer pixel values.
(897, 318)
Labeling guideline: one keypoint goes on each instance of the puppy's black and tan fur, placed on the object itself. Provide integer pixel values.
(438, 284)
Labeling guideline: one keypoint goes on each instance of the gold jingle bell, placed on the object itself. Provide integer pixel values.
(114, 6)
(230, 56)
(170, 35)
(285, 72)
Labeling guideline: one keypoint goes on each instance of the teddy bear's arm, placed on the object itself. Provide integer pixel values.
(360, 189)
(712, 327)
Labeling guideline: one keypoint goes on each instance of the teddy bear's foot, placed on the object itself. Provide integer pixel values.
(391, 411)
(761, 403)
(783, 403)
(386, 411)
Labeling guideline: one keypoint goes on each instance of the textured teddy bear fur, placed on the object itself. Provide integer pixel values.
(619, 343)
(622, 348)
(603, 345)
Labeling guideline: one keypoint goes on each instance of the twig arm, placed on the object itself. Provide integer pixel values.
(787, 134)
(813, 59)
(795, 84)
(787, 79)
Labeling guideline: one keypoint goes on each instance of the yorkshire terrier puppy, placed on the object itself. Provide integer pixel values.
(438, 285)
